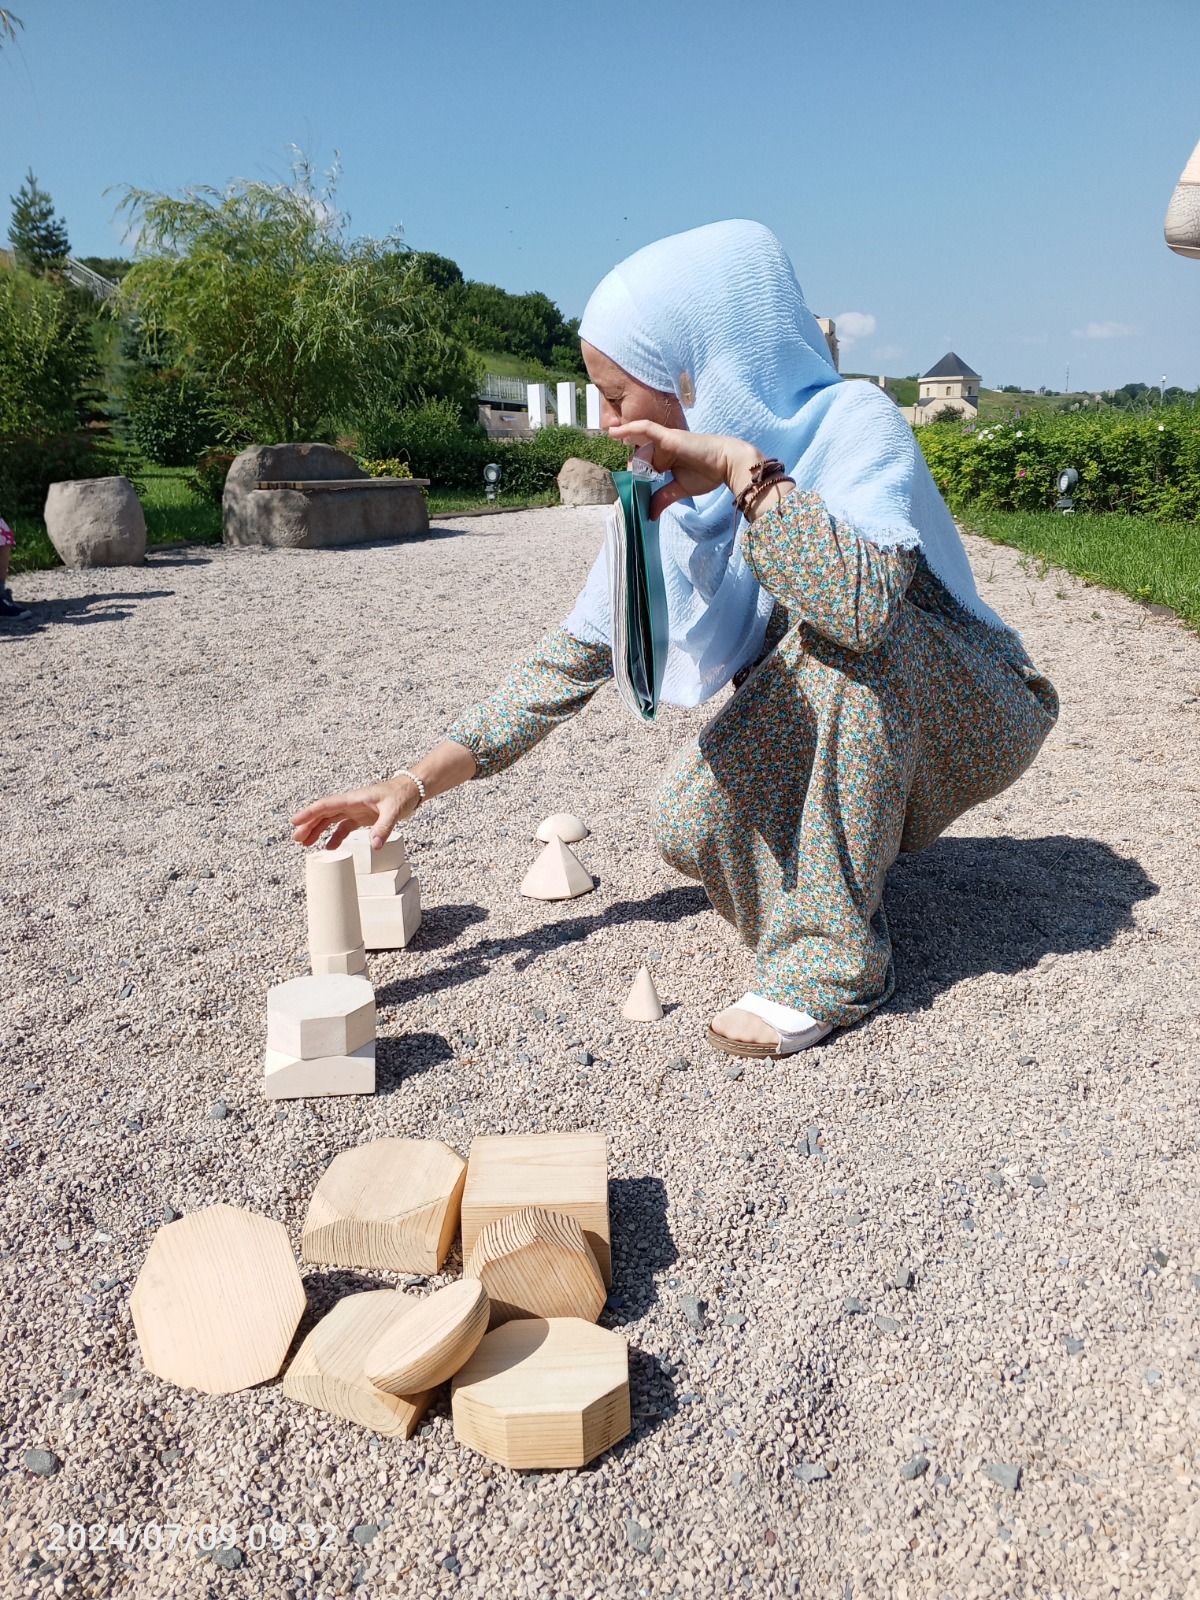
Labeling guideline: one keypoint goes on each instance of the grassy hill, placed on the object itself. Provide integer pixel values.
(506, 366)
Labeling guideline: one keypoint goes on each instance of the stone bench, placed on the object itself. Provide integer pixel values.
(313, 497)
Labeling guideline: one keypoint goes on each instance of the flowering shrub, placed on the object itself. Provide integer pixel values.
(391, 468)
(1142, 465)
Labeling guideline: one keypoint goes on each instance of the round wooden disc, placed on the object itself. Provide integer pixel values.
(431, 1341)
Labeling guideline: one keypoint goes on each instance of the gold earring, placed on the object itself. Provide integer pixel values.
(687, 393)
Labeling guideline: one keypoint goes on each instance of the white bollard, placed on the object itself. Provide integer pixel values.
(591, 399)
(539, 404)
(567, 398)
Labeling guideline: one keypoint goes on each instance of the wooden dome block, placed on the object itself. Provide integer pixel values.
(329, 1371)
(218, 1300)
(562, 825)
(557, 874)
(544, 1394)
(390, 923)
(292, 1078)
(393, 1203)
(327, 1016)
(565, 1172)
(431, 1341)
(537, 1263)
(390, 857)
(643, 1004)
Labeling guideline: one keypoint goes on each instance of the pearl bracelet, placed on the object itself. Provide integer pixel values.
(405, 773)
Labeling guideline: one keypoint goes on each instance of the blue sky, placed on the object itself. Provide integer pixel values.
(985, 177)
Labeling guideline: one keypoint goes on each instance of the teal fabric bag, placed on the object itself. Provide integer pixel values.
(639, 601)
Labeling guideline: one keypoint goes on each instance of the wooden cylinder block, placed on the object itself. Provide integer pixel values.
(537, 1263)
(335, 938)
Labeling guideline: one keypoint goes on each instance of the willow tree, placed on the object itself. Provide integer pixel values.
(257, 292)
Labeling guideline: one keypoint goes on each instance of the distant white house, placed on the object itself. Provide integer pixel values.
(950, 383)
(829, 328)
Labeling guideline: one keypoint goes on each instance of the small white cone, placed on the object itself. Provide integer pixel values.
(557, 874)
(562, 825)
(643, 1004)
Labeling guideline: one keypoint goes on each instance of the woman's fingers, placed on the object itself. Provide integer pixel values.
(666, 496)
(389, 815)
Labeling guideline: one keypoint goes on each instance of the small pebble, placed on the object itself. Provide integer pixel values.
(810, 1472)
(916, 1468)
(905, 1278)
(680, 1064)
(1152, 1375)
(885, 1324)
(994, 1178)
(364, 1532)
(734, 1070)
(218, 1111)
(1036, 1181)
(170, 1457)
(230, 1558)
(1026, 1061)
(469, 1041)
(693, 1310)
(1160, 1257)
(73, 1394)
(942, 1480)
(1007, 1475)
(735, 1319)
(451, 1564)
(169, 1214)
(637, 1536)
(583, 1057)
(540, 1014)
(1073, 1346)
(852, 1306)
(42, 1462)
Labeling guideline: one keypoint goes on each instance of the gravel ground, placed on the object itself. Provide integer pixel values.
(867, 1291)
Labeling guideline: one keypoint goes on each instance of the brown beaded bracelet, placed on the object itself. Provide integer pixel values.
(763, 475)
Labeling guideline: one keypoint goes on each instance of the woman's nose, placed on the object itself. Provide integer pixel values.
(609, 415)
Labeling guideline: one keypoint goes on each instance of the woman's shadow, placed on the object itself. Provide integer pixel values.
(967, 906)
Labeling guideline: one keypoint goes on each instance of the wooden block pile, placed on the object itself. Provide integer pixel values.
(389, 897)
(219, 1297)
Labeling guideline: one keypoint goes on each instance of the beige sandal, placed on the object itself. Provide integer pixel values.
(796, 1029)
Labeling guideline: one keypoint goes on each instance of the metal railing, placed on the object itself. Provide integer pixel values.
(508, 391)
(84, 278)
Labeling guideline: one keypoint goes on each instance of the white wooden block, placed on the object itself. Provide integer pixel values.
(332, 1015)
(390, 857)
(382, 885)
(643, 1004)
(390, 924)
(562, 825)
(288, 1077)
(334, 930)
(557, 874)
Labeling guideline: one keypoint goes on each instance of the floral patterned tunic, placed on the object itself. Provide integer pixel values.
(880, 711)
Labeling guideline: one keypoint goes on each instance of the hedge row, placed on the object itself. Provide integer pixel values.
(1142, 465)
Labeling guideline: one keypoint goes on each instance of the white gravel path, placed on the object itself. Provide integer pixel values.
(1018, 1129)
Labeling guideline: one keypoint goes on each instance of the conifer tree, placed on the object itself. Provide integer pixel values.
(38, 237)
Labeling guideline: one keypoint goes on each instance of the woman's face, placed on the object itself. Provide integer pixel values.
(624, 399)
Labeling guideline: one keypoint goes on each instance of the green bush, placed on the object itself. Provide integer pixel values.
(1140, 465)
(207, 479)
(30, 463)
(436, 446)
(169, 417)
(384, 469)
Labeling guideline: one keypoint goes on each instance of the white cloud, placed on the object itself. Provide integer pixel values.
(853, 326)
(1104, 330)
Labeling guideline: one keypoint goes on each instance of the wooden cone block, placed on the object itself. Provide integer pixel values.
(335, 942)
(218, 1300)
(565, 1172)
(328, 1016)
(390, 857)
(431, 1341)
(537, 1263)
(544, 1394)
(293, 1078)
(391, 924)
(328, 1370)
(643, 1004)
(562, 825)
(393, 1204)
(557, 874)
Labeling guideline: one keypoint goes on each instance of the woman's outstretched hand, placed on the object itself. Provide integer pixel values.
(697, 462)
(379, 807)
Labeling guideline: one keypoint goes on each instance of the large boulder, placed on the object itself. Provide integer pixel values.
(311, 519)
(583, 483)
(96, 522)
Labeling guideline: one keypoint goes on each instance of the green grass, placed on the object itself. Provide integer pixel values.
(173, 513)
(1156, 562)
(444, 502)
(506, 366)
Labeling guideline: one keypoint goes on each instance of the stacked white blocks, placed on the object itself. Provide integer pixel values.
(320, 1037)
(389, 897)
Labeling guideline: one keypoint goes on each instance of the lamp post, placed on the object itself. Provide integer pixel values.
(491, 479)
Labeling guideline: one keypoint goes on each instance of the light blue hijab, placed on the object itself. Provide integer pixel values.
(716, 314)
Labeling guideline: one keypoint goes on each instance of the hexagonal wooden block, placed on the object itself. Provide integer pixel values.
(537, 1263)
(393, 1203)
(218, 1300)
(328, 1370)
(544, 1393)
(432, 1340)
(565, 1172)
(332, 1015)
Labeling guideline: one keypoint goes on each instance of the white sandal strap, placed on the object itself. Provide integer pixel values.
(796, 1029)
